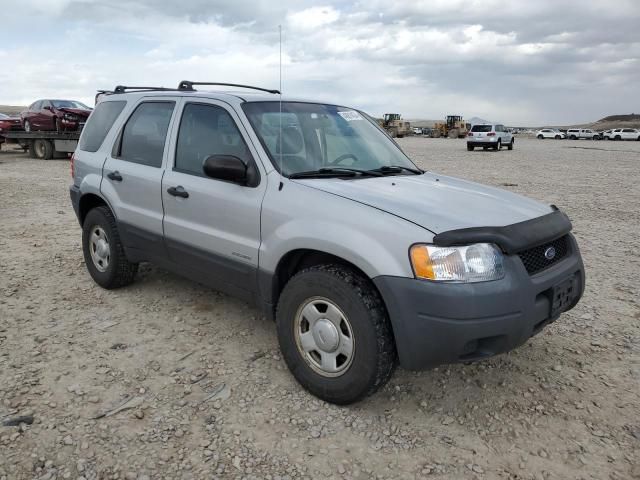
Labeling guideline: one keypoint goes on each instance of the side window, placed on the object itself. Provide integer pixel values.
(207, 130)
(100, 122)
(143, 136)
(499, 128)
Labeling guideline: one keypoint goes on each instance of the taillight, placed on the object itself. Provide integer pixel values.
(470, 134)
(73, 166)
(491, 134)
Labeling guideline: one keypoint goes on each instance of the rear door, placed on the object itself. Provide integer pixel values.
(132, 176)
(629, 134)
(212, 227)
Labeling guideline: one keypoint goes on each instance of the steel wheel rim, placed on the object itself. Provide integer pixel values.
(27, 127)
(324, 337)
(99, 248)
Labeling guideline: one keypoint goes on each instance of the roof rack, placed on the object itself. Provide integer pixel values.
(124, 88)
(188, 85)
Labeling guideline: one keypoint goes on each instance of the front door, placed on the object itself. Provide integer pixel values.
(132, 178)
(212, 227)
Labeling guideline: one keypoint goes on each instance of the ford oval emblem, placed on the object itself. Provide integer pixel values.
(550, 253)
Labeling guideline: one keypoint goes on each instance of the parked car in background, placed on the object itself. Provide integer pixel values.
(8, 124)
(578, 133)
(622, 134)
(489, 136)
(55, 115)
(550, 133)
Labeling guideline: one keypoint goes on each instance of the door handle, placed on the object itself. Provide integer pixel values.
(115, 176)
(178, 192)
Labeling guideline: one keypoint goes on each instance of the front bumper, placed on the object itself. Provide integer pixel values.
(439, 323)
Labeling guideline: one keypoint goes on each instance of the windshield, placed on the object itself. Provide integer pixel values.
(316, 136)
(69, 104)
(2, 115)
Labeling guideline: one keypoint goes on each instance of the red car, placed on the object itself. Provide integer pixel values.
(55, 115)
(9, 124)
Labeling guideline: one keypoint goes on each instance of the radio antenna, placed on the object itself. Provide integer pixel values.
(280, 116)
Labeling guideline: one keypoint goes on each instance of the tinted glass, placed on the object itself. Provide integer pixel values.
(481, 128)
(37, 106)
(207, 130)
(310, 136)
(98, 125)
(145, 132)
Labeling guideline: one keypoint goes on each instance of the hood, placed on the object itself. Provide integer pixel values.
(435, 202)
(81, 112)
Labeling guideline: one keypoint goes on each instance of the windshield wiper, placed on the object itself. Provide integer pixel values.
(397, 169)
(335, 172)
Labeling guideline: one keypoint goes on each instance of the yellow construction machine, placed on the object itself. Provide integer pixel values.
(394, 125)
(453, 127)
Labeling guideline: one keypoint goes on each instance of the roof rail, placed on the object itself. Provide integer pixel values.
(124, 88)
(188, 85)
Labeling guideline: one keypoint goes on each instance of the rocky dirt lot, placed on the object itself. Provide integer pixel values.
(208, 395)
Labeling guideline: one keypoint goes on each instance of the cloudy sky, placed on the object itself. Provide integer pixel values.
(522, 63)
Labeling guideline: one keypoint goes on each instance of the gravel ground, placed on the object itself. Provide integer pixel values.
(210, 396)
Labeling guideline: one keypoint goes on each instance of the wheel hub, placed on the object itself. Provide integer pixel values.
(325, 334)
(99, 249)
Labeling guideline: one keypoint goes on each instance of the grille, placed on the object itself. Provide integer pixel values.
(534, 259)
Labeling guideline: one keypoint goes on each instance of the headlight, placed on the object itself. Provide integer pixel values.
(479, 262)
(70, 116)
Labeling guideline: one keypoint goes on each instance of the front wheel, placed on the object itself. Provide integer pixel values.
(617, 137)
(103, 251)
(335, 334)
(27, 126)
(558, 137)
(510, 146)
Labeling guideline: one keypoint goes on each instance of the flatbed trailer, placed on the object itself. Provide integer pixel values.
(45, 145)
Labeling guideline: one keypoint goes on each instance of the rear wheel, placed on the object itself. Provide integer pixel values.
(103, 251)
(470, 148)
(42, 149)
(498, 145)
(573, 137)
(334, 333)
(596, 137)
(542, 137)
(617, 137)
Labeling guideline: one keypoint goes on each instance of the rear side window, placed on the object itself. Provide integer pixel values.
(100, 122)
(207, 130)
(481, 128)
(143, 137)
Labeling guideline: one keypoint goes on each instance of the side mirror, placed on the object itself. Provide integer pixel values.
(225, 167)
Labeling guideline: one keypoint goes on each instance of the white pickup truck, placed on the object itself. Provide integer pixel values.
(578, 133)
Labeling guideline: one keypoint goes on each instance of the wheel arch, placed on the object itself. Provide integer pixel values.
(88, 202)
(272, 284)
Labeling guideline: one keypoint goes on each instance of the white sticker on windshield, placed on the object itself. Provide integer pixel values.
(350, 115)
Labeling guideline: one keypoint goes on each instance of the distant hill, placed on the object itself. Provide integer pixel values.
(11, 109)
(633, 117)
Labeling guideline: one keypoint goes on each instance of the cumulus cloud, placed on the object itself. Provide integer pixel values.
(517, 62)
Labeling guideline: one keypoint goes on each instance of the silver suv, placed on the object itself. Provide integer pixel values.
(489, 136)
(314, 214)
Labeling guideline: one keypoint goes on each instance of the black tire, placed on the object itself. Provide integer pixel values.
(572, 137)
(558, 137)
(27, 126)
(119, 272)
(510, 146)
(374, 354)
(470, 148)
(617, 137)
(541, 137)
(42, 149)
(498, 145)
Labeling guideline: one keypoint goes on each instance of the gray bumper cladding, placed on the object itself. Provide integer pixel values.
(438, 323)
